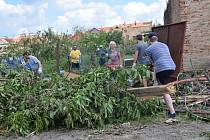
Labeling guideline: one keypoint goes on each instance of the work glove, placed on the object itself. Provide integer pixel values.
(40, 70)
(134, 65)
(23, 63)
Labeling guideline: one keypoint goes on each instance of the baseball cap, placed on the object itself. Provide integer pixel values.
(151, 34)
(139, 37)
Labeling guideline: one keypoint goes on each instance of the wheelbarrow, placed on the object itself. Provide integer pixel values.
(162, 89)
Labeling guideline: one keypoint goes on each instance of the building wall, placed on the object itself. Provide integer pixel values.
(131, 32)
(172, 12)
(197, 36)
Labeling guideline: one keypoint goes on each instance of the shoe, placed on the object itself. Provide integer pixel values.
(171, 120)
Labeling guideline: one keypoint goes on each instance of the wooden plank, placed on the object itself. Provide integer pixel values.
(71, 75)
(149, 91)
(195, 112)
(191, 98)
(188, 80)
(196, 97)
(198, 102)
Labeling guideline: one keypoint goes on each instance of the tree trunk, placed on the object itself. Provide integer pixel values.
(57, 57)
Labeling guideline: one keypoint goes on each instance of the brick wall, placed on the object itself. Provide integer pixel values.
(131, 32)
(197, 37)
(172, 12)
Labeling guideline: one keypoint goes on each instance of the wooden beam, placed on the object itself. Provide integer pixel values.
(188, 80)
(198, 102)
(149, 91)
(194, 111)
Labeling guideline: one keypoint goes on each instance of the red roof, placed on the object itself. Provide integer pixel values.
(3, 41)
(132, 25)
(9, 40)
(105, 28)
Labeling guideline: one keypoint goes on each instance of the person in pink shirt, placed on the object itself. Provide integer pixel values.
(114, 56)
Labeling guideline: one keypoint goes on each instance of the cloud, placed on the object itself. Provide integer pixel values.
(41, 15)
(22, 18)
(63, 15)
(69, 4)
(23, 30)
(94, 14)
(88, 15)
(18, 9)
(141, 11)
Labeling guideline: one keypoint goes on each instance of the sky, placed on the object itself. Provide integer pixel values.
(29, 16)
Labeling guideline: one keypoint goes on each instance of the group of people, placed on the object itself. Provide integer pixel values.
(27, 61)
(157, 55)
(110, 58)
(153, 53)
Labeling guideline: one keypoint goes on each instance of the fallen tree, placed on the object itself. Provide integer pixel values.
(30, 104)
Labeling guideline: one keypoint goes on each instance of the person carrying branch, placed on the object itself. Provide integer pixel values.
(164, 67)
(75, 55)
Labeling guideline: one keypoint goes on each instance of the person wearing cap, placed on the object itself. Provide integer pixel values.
(75, 55)
(102, 53)
(31, 63)
(164, 67)
(139, 56)
(114, 56)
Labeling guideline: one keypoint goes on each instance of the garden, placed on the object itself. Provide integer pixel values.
(98, 97)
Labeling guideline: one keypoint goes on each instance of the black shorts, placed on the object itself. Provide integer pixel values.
(75, 65)
(164, 76)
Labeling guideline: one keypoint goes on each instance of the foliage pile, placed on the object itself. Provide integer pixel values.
(30, 104)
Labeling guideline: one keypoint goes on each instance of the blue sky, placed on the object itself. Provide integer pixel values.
(29, 16)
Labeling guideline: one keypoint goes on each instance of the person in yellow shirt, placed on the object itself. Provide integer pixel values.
(75, 58)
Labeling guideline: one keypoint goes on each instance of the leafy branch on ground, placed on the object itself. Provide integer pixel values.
(30, 104)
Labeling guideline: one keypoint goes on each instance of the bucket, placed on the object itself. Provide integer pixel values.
(62, 72)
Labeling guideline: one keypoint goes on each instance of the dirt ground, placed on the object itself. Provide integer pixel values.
(183, 130)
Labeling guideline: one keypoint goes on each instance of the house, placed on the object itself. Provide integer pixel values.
(94, 30)
(105, 29)
(129, 30)
(133, 29)
(3, 43)
(196, 13)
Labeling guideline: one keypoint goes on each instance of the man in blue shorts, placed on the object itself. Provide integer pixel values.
(164, 67)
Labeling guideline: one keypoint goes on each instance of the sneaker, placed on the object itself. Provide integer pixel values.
(171, 115)
(171, 120)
